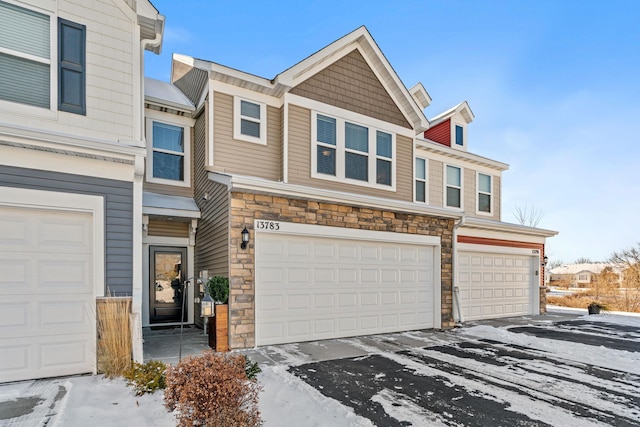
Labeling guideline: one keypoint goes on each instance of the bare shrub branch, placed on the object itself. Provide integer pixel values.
(528, 216)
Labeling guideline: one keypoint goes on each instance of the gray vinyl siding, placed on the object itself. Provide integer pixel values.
(300, 161)
(118, 197)
(233, 156)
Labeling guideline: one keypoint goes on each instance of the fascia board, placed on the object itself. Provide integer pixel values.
(470, 222)
(435, 147)
(257, 185)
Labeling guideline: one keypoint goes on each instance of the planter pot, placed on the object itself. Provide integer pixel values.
(219, 328)
(593, 309)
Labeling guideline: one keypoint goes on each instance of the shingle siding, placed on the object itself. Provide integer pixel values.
(118, 197)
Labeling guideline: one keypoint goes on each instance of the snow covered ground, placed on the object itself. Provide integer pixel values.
(532, 376)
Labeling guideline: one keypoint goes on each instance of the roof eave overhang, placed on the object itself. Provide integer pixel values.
(483, 224)
(434, 147)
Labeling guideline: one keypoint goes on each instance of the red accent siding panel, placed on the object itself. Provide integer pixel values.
(440, 133)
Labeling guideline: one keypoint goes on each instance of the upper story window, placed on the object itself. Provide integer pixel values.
(459, 135)
(27, 60)
(453, 187)
(421, 180)
(484, 193)
(250, 121)
(582, 277)
(352, 152)
(168, 153)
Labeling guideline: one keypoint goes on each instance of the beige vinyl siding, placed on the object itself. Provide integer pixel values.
(282, 143)
(241, 157)
(497, 198)
(349, 83)
(168, 228)
(436, 184)
(469, 189)
(300, 161)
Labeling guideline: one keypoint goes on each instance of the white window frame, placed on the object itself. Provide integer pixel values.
(461, 188)
(186, 128)
(490, 194)
(341, 150)
(454, 124)
(17, 107)
(238, 117)
(425, 180)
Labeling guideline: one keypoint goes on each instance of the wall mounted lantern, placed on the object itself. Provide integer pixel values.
(245, 238)
(545, 260)
(206, 306)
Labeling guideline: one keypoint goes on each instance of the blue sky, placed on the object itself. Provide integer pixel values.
(553, 86)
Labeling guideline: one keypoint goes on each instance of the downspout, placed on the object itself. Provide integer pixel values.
(454, 270)
(137, 273)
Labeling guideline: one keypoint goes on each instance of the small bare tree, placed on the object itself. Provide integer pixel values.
(583, 260)
(528, 216)
(628, 260)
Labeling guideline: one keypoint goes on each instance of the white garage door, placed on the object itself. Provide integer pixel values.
(495, 285)
(47, 302)
(310, 288)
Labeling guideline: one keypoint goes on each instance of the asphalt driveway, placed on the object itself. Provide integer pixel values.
(548, 370)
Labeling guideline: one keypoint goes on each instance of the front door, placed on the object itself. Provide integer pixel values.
(166, 287)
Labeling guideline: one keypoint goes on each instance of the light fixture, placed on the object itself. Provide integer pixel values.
(245, 238)
(545, 260)
(206, 306)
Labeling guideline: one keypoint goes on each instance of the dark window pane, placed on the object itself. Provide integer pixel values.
(327, 160)
(326, 130)
(249, 109)
(459, 135)
(453, 197)
(356, 166)
(383, 173)
(168, 166)
(420, 191)
(250, 128)
(168, 137)
(484, 203)
(383, 144)
(356, 137)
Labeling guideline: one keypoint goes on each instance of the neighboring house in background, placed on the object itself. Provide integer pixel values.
(71, 169)
(580, 275)
(359, 208)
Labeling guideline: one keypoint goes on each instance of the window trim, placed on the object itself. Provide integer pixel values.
(186, 182)
(341, 150)
(446, 185)
(490, 194)
(32, 110)
(425, 180)
(238, 117)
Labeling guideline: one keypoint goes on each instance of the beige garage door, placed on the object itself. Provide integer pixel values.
(495, 285)
(47, 302)
(311, 288)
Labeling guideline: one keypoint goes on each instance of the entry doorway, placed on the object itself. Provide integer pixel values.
(167, 293)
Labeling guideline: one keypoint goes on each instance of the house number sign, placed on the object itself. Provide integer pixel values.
(267, 225)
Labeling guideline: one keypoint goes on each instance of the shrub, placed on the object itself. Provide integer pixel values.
(114, 335)
(218, 288)
(146, 378)
(251, 369)
(212, 389)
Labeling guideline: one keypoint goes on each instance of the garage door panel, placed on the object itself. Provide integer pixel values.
(498, 286)
(357, 287)
(47, 300)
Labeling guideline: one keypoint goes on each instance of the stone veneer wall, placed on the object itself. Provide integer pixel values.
(245, 208)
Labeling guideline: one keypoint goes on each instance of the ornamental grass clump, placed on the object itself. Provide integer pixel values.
(114, 336)
(212, 389)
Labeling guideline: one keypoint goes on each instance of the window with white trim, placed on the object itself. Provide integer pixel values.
(168, 159)
(27, 60)
(250, 121)
(484, 193)
(352, 152)
(453, 187)
(421, 180)
(459, 135)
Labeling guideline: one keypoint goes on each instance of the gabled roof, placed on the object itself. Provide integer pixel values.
(359, 39)
(420, 95)
(594, 268)
(462, 108)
